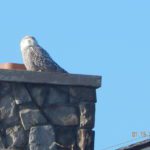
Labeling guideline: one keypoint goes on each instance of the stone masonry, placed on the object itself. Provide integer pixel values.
(47, 111)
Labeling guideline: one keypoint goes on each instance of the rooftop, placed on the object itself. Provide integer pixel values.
(143, 145)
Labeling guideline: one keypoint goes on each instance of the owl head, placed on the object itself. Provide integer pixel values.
(28, 41)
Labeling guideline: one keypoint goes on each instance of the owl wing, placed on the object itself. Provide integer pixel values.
(43, 61)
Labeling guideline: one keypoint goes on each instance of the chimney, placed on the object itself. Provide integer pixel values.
(47, 111)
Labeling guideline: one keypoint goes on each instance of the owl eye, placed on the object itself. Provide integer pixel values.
(30, 41)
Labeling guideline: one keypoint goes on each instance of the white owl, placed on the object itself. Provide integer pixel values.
(36, 58)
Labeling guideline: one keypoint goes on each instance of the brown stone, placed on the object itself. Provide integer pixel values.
(85, 139)
(87, 115)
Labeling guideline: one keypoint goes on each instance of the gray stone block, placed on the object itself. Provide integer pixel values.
(5, 88)
(87, 115)
(45, 95)
(8, 111)
(79, 94)
(42, 138)
(85, 139)
(21, 94)
(62, 115)
(31, 118)
(66, 136)
(38, 92)
(57, 95)
(1, 143)
(16, 137)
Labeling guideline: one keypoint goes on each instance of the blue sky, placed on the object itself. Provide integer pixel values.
(98, 37)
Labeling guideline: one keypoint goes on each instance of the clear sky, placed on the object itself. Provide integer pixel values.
(98, 37)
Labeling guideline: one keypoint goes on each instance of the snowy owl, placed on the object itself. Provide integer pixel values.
(36, 58)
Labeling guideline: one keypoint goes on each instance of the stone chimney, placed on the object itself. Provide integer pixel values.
(47, 111)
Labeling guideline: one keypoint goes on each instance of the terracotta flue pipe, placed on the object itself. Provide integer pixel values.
(12, 66)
